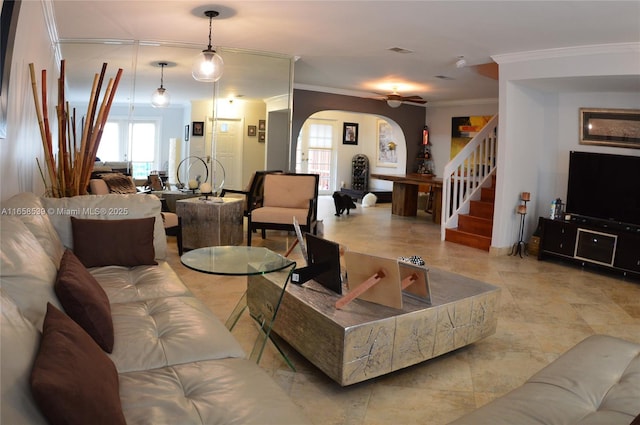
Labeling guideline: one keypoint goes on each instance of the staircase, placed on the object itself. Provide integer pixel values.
(469, 191)
(474, 229)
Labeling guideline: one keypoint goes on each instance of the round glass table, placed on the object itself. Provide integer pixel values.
(235, 260)
(244, 261)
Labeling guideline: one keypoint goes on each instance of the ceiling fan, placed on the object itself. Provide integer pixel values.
(394, 99)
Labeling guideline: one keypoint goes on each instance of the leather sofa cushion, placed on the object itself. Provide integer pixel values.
(167, 331)
(84, 300)
(73, 381)
(127, 242)
(36, 218)
(211, 392)
(595, 382)
(19, 342)
(106, 207)
(124, 284)
(22, 261)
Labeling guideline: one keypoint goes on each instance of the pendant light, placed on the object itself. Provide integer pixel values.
(208, 66)
(160, 97)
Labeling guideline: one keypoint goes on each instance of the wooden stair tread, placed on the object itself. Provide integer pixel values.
(473, 224)
(469, 239)
(475, 228)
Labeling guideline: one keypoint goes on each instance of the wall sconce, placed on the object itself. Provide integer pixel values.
(208, 66)
(160, 97)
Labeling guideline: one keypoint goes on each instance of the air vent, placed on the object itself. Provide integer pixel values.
(400, 50)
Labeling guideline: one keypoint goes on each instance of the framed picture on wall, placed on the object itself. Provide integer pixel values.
(262, 125)
(198, 128)
(610, 127)
(262, 136)
(251, 130)
(387, 153)
(350, 133)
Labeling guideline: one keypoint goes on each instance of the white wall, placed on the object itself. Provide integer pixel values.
(539, 124)
(18, 152)
(367, 145)
(439, 121)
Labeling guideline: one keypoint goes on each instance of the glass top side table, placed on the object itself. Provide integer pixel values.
(243, 261)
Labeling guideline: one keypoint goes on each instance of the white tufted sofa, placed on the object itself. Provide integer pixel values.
(597, 382)
(176, 361)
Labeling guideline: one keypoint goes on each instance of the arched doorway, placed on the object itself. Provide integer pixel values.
(326, 145)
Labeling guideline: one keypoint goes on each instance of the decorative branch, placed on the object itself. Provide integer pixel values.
(70, 175)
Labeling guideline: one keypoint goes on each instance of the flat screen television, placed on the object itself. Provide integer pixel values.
(604, 186)
(323, 264)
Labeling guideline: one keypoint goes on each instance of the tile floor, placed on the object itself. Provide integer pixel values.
(546, 308)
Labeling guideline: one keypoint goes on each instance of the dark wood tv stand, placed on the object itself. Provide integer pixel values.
(600, 243)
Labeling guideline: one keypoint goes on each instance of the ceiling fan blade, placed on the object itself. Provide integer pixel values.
(414, 99)
(394, 97)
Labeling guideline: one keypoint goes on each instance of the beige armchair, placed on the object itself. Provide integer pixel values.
(252, 194)
(286, 196)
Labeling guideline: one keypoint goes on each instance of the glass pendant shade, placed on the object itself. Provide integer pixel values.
(208, 66)
(160, 98)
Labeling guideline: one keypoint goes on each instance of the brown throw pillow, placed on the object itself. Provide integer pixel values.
(84, 300)
(126, 242)
(73, 381)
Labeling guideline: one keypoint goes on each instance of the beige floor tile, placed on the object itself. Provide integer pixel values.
(546, 308)
(399, 405)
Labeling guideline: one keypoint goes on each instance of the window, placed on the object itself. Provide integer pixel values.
(142, 151)
(143, 148)
(315, 152)
(109, 149)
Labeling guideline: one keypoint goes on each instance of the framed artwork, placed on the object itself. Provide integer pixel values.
(463, 129)
(610, 127)
(350, 133)
(186, 133)
(252, 130)
(198, 128)
(262, 136)
(262, 125)
(387, 154)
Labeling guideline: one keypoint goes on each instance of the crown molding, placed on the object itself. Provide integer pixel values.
(464, 102)
(50, 23)
(333, 90)
(563, 52)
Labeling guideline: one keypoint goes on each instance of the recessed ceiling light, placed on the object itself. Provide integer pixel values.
(400, 50)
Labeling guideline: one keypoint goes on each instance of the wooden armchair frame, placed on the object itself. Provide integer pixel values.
(307, 223)
(253, 196)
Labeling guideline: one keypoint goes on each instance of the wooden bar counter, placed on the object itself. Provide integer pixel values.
(404, 200)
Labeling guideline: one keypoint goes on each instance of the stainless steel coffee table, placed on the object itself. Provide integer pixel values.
(365, 340)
